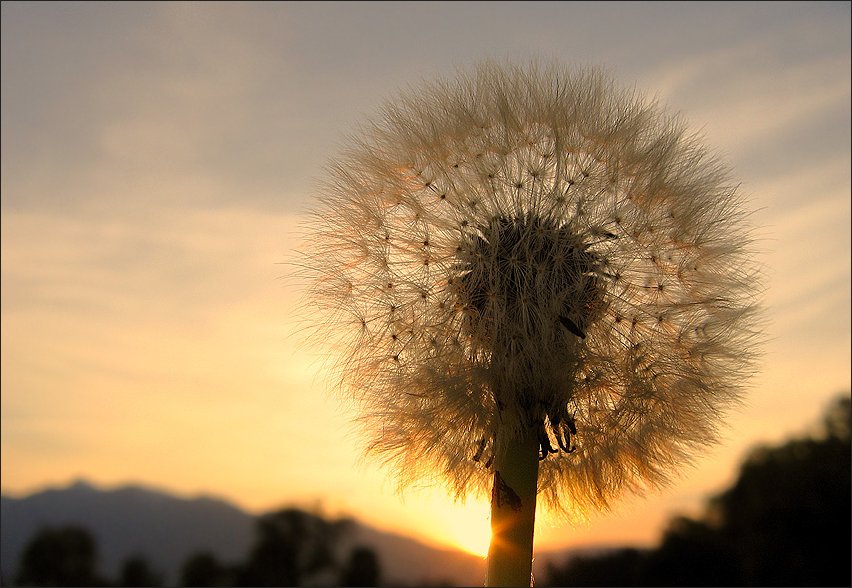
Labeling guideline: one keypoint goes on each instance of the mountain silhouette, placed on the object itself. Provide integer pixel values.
(166, 530)
(128, 521)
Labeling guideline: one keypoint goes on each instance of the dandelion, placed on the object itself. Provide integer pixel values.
(540, 288)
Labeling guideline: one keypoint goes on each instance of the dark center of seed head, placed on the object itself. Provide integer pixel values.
(529, 267)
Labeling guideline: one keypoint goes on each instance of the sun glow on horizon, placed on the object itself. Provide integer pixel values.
(470, 528)
(475, 544)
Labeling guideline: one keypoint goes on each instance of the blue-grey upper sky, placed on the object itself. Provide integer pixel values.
(156, 159)
(258, 93)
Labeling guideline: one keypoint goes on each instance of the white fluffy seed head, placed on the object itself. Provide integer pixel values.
(534, 249)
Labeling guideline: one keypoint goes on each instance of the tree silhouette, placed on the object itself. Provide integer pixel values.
(204, 569)
(788, 515)
(362, 569)
(63, 556)
(137, 571)
(292, 547)
(784, 522)
(692, 553)
(618, 568)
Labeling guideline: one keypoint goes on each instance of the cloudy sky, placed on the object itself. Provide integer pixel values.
(157, 159)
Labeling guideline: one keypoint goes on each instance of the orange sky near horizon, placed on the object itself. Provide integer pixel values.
(157, 161)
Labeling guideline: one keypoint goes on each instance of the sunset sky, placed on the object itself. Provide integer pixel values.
(157, 160)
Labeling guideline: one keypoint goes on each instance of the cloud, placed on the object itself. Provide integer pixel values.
(748, 93)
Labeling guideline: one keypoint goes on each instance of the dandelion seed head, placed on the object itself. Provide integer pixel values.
(531, 248)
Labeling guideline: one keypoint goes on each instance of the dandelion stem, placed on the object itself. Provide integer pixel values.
(513, 513)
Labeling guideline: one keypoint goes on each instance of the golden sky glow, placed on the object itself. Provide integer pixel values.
(157, 159)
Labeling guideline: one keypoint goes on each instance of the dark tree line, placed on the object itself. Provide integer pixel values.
(292, 548)
(784, 522)
(64, 556)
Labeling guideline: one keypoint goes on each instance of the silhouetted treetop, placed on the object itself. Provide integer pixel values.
(784, 522)
(61, 556)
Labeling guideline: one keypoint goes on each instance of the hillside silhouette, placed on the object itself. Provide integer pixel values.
(124, 522)
(291, 548)
(784, 522)
(140, 532)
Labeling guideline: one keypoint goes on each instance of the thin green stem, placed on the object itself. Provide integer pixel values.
(513, 513)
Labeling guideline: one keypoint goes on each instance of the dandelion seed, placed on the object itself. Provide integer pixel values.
(553, 339)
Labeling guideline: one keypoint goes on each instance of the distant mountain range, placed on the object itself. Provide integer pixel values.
(166, 530)
(127, 521)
